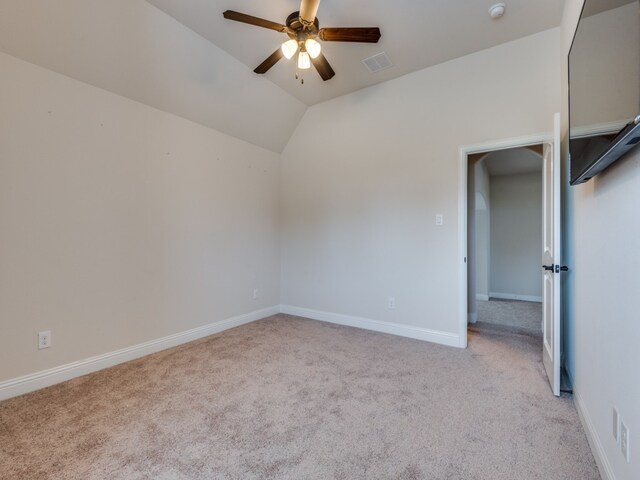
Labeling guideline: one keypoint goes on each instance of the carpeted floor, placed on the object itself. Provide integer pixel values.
(288, 398)
(513, 313)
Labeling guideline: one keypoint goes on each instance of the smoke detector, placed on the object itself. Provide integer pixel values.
(497, 11)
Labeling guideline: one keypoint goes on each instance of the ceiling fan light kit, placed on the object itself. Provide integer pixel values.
(312, 47)
(304, 62)
(304, 32)
(289, 48)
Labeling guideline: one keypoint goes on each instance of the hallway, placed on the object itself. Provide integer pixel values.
(512, 313)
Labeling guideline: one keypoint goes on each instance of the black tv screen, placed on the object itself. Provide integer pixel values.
(604, 86)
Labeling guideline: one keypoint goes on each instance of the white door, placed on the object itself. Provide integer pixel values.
(551, 260)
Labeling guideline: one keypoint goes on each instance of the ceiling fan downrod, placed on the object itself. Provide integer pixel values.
(308, 11)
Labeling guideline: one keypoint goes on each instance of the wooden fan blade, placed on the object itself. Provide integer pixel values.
(259, 22)
(269, 62)
(323, 67)
(350, 34)
(309, 10)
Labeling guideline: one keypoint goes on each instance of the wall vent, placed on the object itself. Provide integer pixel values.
(378, 62)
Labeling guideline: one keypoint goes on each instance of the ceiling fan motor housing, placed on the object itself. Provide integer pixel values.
(297, 30)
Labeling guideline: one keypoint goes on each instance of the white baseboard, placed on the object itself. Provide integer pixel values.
(472, 317)
(514, 296)
(46, 378)
(443, 338)
(482, 297)
(606, 472)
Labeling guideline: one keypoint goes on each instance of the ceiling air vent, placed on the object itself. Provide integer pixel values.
(377, 62)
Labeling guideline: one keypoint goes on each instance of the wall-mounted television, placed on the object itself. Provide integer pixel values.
(604, 86)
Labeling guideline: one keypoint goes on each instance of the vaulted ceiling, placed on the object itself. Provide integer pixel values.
(183, 57)
(593, 7)
(415, 35)
(134, 50)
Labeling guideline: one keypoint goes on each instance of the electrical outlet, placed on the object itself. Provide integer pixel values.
(392, 303)
(255, 293)
(616, 426)
(624, 441)
(44, 339)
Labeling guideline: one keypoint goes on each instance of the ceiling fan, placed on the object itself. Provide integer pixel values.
(304, 32)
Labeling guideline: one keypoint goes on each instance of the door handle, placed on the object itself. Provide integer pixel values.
(556, 268)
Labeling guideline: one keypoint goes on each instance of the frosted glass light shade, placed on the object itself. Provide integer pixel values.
(304, 61)
(312, 47)
(289, 48)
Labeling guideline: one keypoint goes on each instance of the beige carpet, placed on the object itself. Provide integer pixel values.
(288, 398)
(513, 313)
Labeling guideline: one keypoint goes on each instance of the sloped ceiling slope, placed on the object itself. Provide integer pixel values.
(415, 35)
(133, 49)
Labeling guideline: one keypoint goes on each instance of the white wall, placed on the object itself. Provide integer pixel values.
(606, 263)
(364, 175)
(602, 331)
(121, 223)
(483, 228)
(132, 48)
(516, 236)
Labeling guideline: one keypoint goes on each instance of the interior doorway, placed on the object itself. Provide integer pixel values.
(504, 230)
(551, 254)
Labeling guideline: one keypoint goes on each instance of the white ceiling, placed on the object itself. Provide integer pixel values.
(592, 7)
(200, 66)
(415, 35)
(513, 161)
(132, 49)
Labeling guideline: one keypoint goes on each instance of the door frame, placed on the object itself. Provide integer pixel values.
(464, 151)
